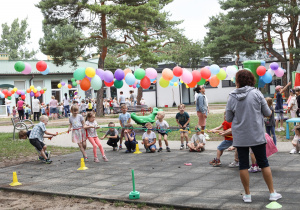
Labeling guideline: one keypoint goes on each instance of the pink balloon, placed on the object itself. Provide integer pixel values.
(187, 76)
(27, 69)
(151, 73)
(18, 92)
(279, 72)
(134, 85)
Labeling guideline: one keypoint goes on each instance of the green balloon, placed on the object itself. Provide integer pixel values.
(74, 83)
(201, 82)
(118, 83)
(19, 66)
(73, 80)
(44, 89)
(139, 74)
(222, 74)
(163, 83)
(9, 97)
(79, 73)
(235, 66)
(96, 82)
(247, 69)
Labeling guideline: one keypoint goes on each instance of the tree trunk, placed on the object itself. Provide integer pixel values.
(99, 110)
(139, 95)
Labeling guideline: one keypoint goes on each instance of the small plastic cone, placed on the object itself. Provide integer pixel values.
(82, 165)
(273, 205)
(15, 180)
(137, 149)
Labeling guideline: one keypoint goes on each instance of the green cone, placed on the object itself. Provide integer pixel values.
(274, 205)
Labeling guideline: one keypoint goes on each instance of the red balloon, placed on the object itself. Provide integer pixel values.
(130, 85)
(41, 66)
(85, 84)
(177, 71)
(192, 84)
(261, 70)
(4, 91)
(23, 97)
(154, 82)
(205, 73)
(145, 83)
(42, 91)
(196, 76)
(108, 84)
(36, 94)
(9, 94)
(69, 86)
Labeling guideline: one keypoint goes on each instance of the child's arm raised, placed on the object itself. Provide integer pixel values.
(285, 87)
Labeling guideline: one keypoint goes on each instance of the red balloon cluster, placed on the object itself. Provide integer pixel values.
(41, 66)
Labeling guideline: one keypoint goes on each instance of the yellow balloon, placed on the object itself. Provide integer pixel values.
(187, 86)
(90, 72)
(59, 85)
(175, 84)
(34, 90)
(31, 87)
(15, 89)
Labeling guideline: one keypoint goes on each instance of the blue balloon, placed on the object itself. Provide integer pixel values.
(130, 79)
(137, 85)
(214, 69)
(171, 83)
(16, 95)
(263, 63)
(261, 83)
(152, 80)
(46, 71)
(2, 95)
(174, 79)
(267, 78)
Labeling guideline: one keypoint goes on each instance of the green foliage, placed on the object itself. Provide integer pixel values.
(14, 39)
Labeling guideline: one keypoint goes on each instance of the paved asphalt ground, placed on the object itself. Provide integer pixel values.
(161, 178)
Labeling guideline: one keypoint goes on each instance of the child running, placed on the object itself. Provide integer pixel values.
(296, 141)
(78, 133)
(198, 141)
(124, 119)
(91, 126)
(149, 139)
(270, 121)
(113, 136)
(162, 126)
(130, 141)
(36, 137)
(226, 132)
(183, 119)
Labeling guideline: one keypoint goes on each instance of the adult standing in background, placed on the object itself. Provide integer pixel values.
(36, 109)
(20, 105)
(201, 106)
(53, 107)
(8, 103)
(66, 101)
(122, 99)
(246, 109)
(132, 98)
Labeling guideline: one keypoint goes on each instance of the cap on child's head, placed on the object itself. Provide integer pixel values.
(278, 87)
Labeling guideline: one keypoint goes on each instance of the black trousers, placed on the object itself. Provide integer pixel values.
(113, 142)
(36, 116)
(21, 114)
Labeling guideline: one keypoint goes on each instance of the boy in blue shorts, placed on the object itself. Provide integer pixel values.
(226, 132)
(149, 139)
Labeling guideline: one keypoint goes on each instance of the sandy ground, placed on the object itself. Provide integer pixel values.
(14, 200)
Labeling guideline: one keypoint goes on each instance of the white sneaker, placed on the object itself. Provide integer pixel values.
(293, 151)
(275, 196)
(247, 198)
(282, 128)
(234, 164)
(278, 129)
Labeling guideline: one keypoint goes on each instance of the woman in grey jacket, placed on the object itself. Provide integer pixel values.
(246, 108)
(201, 106)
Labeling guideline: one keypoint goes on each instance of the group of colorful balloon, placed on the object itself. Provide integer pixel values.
(25, 68)
(63, 84)
(265, 76)
(214, 74)
(91, 77)
(38, 91)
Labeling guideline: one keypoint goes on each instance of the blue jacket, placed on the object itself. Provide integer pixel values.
(201, 104)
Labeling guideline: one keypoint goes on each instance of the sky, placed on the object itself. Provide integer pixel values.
(194, 13)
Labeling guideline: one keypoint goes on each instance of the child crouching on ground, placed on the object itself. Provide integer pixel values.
(36, 137)
(162, 126)
(198, 141)
(113, 136)
(149, 139)
(296, 141)
(226, 132)
(130, 141)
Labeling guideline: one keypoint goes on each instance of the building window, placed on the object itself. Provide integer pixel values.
(54, 84)
(55, 91)
(36, 84)
(151, 88)
(72, 90)
(228, 83)
(208, 86)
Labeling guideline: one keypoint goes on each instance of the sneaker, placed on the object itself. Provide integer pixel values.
(247, 198)
(114, 149)
(159, 150)
(105, 159)
(41, 158)
(96, 160)
(253, 169)
(293, 151)
(120, 147)
(182, 147)
(258, 169)
(169, 150)
(48, 161)
(86, 159)
(275, 196)
(48, 154)
(282, 129)
(186, 146)
(278, 129)
(148, 150)
(217, 163)
(127, 151)
(213, 161)
(234, 164)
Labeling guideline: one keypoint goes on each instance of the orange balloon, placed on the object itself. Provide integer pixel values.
(154, 82)
(85, 84)
(192, 84)
(126, 71)
(69, 86)
(214, 81)
(12, 91)
(28, 90)
(167, 74)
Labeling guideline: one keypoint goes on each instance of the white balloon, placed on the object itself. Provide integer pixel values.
(231, 71)
(271, 72)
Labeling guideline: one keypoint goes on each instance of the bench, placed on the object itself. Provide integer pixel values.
(21, 125)
(137, 108)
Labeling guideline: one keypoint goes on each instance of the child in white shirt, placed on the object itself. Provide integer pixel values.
(198, 141)
(296, 141)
